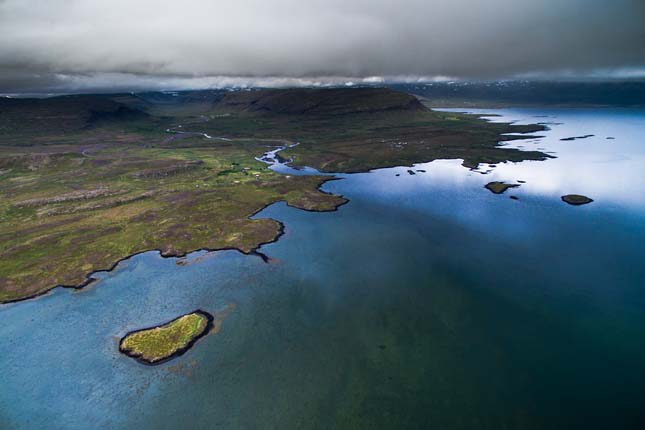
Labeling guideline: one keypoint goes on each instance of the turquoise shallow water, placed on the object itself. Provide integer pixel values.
(426, 301)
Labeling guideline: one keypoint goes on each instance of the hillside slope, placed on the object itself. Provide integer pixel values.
(312, 102)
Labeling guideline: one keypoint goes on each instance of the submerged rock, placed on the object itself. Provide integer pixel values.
(586, 136)
(576, 199)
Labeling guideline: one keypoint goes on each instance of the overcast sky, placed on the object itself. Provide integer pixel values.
(62, 45)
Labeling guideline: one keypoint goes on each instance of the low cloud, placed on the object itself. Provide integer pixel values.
(81, 44)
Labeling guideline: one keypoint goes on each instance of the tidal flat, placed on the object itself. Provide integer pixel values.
(426, 301)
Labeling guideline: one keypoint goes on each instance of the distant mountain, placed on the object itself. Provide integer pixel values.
(73, 113)
(523, 93)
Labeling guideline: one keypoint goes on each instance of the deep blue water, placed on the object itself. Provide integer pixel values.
(427, 301)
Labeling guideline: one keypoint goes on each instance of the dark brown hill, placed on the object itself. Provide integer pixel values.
(62, 114)
(310, 101)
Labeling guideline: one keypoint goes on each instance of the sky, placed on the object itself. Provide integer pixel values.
(80, 45)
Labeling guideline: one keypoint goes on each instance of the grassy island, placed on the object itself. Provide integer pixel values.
(158, 344)
(88, 180)
(499, 187)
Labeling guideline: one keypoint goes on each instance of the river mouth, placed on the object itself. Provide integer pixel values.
(425, 301)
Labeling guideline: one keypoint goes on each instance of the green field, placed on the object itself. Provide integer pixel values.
(88, 180)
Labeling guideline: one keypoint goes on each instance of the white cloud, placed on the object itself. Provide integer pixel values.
(74, 41)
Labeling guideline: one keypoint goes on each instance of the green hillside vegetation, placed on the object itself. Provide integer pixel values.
(88, 180)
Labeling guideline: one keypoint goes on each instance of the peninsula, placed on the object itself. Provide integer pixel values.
(87, 180)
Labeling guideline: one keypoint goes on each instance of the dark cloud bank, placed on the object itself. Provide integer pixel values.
(59, 45)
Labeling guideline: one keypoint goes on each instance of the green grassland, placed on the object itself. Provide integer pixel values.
(64, 215)
(154, 345)
(375, 129)
(88, 180)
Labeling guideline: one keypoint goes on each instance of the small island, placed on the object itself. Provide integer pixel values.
(576, 199)
(499, 187)
(586, 136)
(155, 345)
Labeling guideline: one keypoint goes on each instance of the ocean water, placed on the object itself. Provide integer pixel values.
(425, 302)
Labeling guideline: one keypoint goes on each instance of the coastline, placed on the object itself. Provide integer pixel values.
(253, 251)
(503, 139)
(281, 228)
